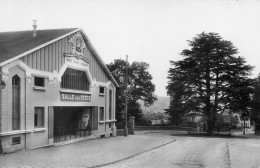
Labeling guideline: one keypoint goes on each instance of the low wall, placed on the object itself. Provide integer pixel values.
(121, 132)
(165, 128)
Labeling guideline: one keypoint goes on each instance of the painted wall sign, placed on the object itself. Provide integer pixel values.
(75, 97)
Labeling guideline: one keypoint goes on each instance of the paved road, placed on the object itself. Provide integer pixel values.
(197, 152)
(159, 149)
(245, 153)
(185, 152)
(83, 154)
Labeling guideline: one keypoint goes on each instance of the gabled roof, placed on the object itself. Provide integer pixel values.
(16, 44)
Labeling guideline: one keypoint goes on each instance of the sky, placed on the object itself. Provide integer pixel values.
(152, 31)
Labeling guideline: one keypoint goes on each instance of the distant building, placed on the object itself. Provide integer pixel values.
(54, 88)
(231, 118)
(241, 121)
(156, 122)
(157, 118)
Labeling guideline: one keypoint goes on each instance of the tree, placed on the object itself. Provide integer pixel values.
(177, 107)
(140, 87)
(256, 101)
(210, 79)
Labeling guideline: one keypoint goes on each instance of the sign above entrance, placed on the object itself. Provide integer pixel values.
(76, 62)
(75, 97)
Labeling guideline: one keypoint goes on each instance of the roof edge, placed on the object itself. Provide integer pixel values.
(56, 39)
(99, 58)
(38, 47)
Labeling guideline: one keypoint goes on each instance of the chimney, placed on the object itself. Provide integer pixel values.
(34, 28)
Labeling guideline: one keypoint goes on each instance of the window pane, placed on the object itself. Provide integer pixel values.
(95, 118)
(74, 79)
(36, 119)
(101, 90)
(110, 105)
(16, 140)
(16, 103)
(39, 117)
(38, 81)
(101, 114)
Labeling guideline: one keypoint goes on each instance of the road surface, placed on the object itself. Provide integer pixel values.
(195, 152)
(160, 149)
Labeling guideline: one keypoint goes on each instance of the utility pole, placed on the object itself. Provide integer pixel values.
(126, 80)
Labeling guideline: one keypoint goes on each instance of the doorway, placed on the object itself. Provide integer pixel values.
(72, 122)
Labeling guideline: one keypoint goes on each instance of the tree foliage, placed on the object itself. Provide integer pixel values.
(209, 80)
(256, 101)
(140, 87)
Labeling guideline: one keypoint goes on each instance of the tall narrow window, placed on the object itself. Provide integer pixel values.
(39, 117)
(101, 114)
(110, 104)
(16, 85)
(102, 90)
(74, 79)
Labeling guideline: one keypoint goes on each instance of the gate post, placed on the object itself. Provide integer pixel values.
(114, 129)
(132, 124)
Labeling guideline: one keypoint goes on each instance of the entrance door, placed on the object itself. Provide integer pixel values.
(16, 102)
(72, 122)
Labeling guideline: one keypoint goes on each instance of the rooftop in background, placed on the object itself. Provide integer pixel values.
(17, 42)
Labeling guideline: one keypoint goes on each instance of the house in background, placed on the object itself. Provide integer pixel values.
(159, 118)
(241, 121)
(235, 119)
(55, 88)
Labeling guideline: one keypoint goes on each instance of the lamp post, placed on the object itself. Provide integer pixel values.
(126, 77)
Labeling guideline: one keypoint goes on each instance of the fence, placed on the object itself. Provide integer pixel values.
(165, 128)
(68, 133)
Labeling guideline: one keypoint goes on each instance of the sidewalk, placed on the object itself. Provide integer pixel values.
(89, 153)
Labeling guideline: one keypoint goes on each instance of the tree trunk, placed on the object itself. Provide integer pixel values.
(211, 124)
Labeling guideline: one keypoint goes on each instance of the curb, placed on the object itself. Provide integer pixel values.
(106, 164)
(228, 160)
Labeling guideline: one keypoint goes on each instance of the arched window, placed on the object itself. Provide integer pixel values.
(74, 79)
(16, 85)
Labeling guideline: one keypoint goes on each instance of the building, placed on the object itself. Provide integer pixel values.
(236, 120)
(241, 121)
(54, 88)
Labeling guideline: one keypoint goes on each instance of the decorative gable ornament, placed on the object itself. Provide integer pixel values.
(78, 47)
(3, 81)
(78, 44)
